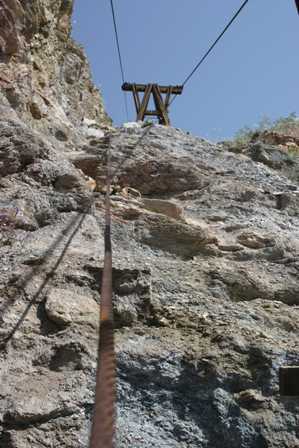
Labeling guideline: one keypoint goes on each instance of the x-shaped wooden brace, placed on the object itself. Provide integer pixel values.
(161, 105)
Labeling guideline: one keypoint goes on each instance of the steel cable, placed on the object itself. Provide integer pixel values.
(103, 422)
(103, 426)
(187, 79)
(119, 55)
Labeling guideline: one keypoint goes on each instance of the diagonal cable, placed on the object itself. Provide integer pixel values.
(119, 55)
(212, 46)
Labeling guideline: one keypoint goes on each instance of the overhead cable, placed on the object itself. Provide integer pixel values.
(119, 55)
(213, 46)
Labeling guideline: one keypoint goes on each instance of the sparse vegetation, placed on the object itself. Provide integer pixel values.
(294, 151)
(285, 125)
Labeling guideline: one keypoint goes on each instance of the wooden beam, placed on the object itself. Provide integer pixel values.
(128, 87)
(160, 106)
(161, 102)
(168, 96)
(145, 101)
(136, 99)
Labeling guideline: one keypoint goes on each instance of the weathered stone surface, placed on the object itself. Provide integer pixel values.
(206, 302)
(288, 201)
(279, 157)
(50, 89)
(132, 303)
(276, 138)
(167, 208)
(19, 147)
(254, 240)
(174, 237)
(11, 21)
(66, 307)
(161, 177)
(206, 305)
(270, 155)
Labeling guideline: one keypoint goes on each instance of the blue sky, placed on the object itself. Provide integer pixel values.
(252, 73)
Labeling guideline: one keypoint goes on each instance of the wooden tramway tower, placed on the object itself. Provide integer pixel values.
(157, 92)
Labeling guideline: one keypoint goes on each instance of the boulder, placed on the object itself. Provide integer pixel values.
(163, 207)
(68, 308)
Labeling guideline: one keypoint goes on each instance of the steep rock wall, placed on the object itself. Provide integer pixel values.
(206, 269)
(206, 296)
(44, 75)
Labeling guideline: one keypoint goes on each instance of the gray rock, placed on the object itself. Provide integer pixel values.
(66, 307)
(205, 301)
(206, 305)
(270, 155)
(167, 208)
(173, 236)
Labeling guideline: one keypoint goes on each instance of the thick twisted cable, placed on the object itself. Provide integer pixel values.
(103, 424)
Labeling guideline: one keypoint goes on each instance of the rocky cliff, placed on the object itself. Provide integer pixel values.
(44, 75)
(205, 274)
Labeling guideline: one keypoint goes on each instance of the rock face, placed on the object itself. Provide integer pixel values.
(44, 75)
(276, 138)
(206, 295)
(205, 277)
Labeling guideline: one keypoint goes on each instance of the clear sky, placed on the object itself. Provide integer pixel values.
(252, 73)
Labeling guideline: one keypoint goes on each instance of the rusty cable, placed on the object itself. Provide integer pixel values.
(103, 425)
(103, 422)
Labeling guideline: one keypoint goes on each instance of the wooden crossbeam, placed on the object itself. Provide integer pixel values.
(136, 98)
(128, 87)
(161, 104)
